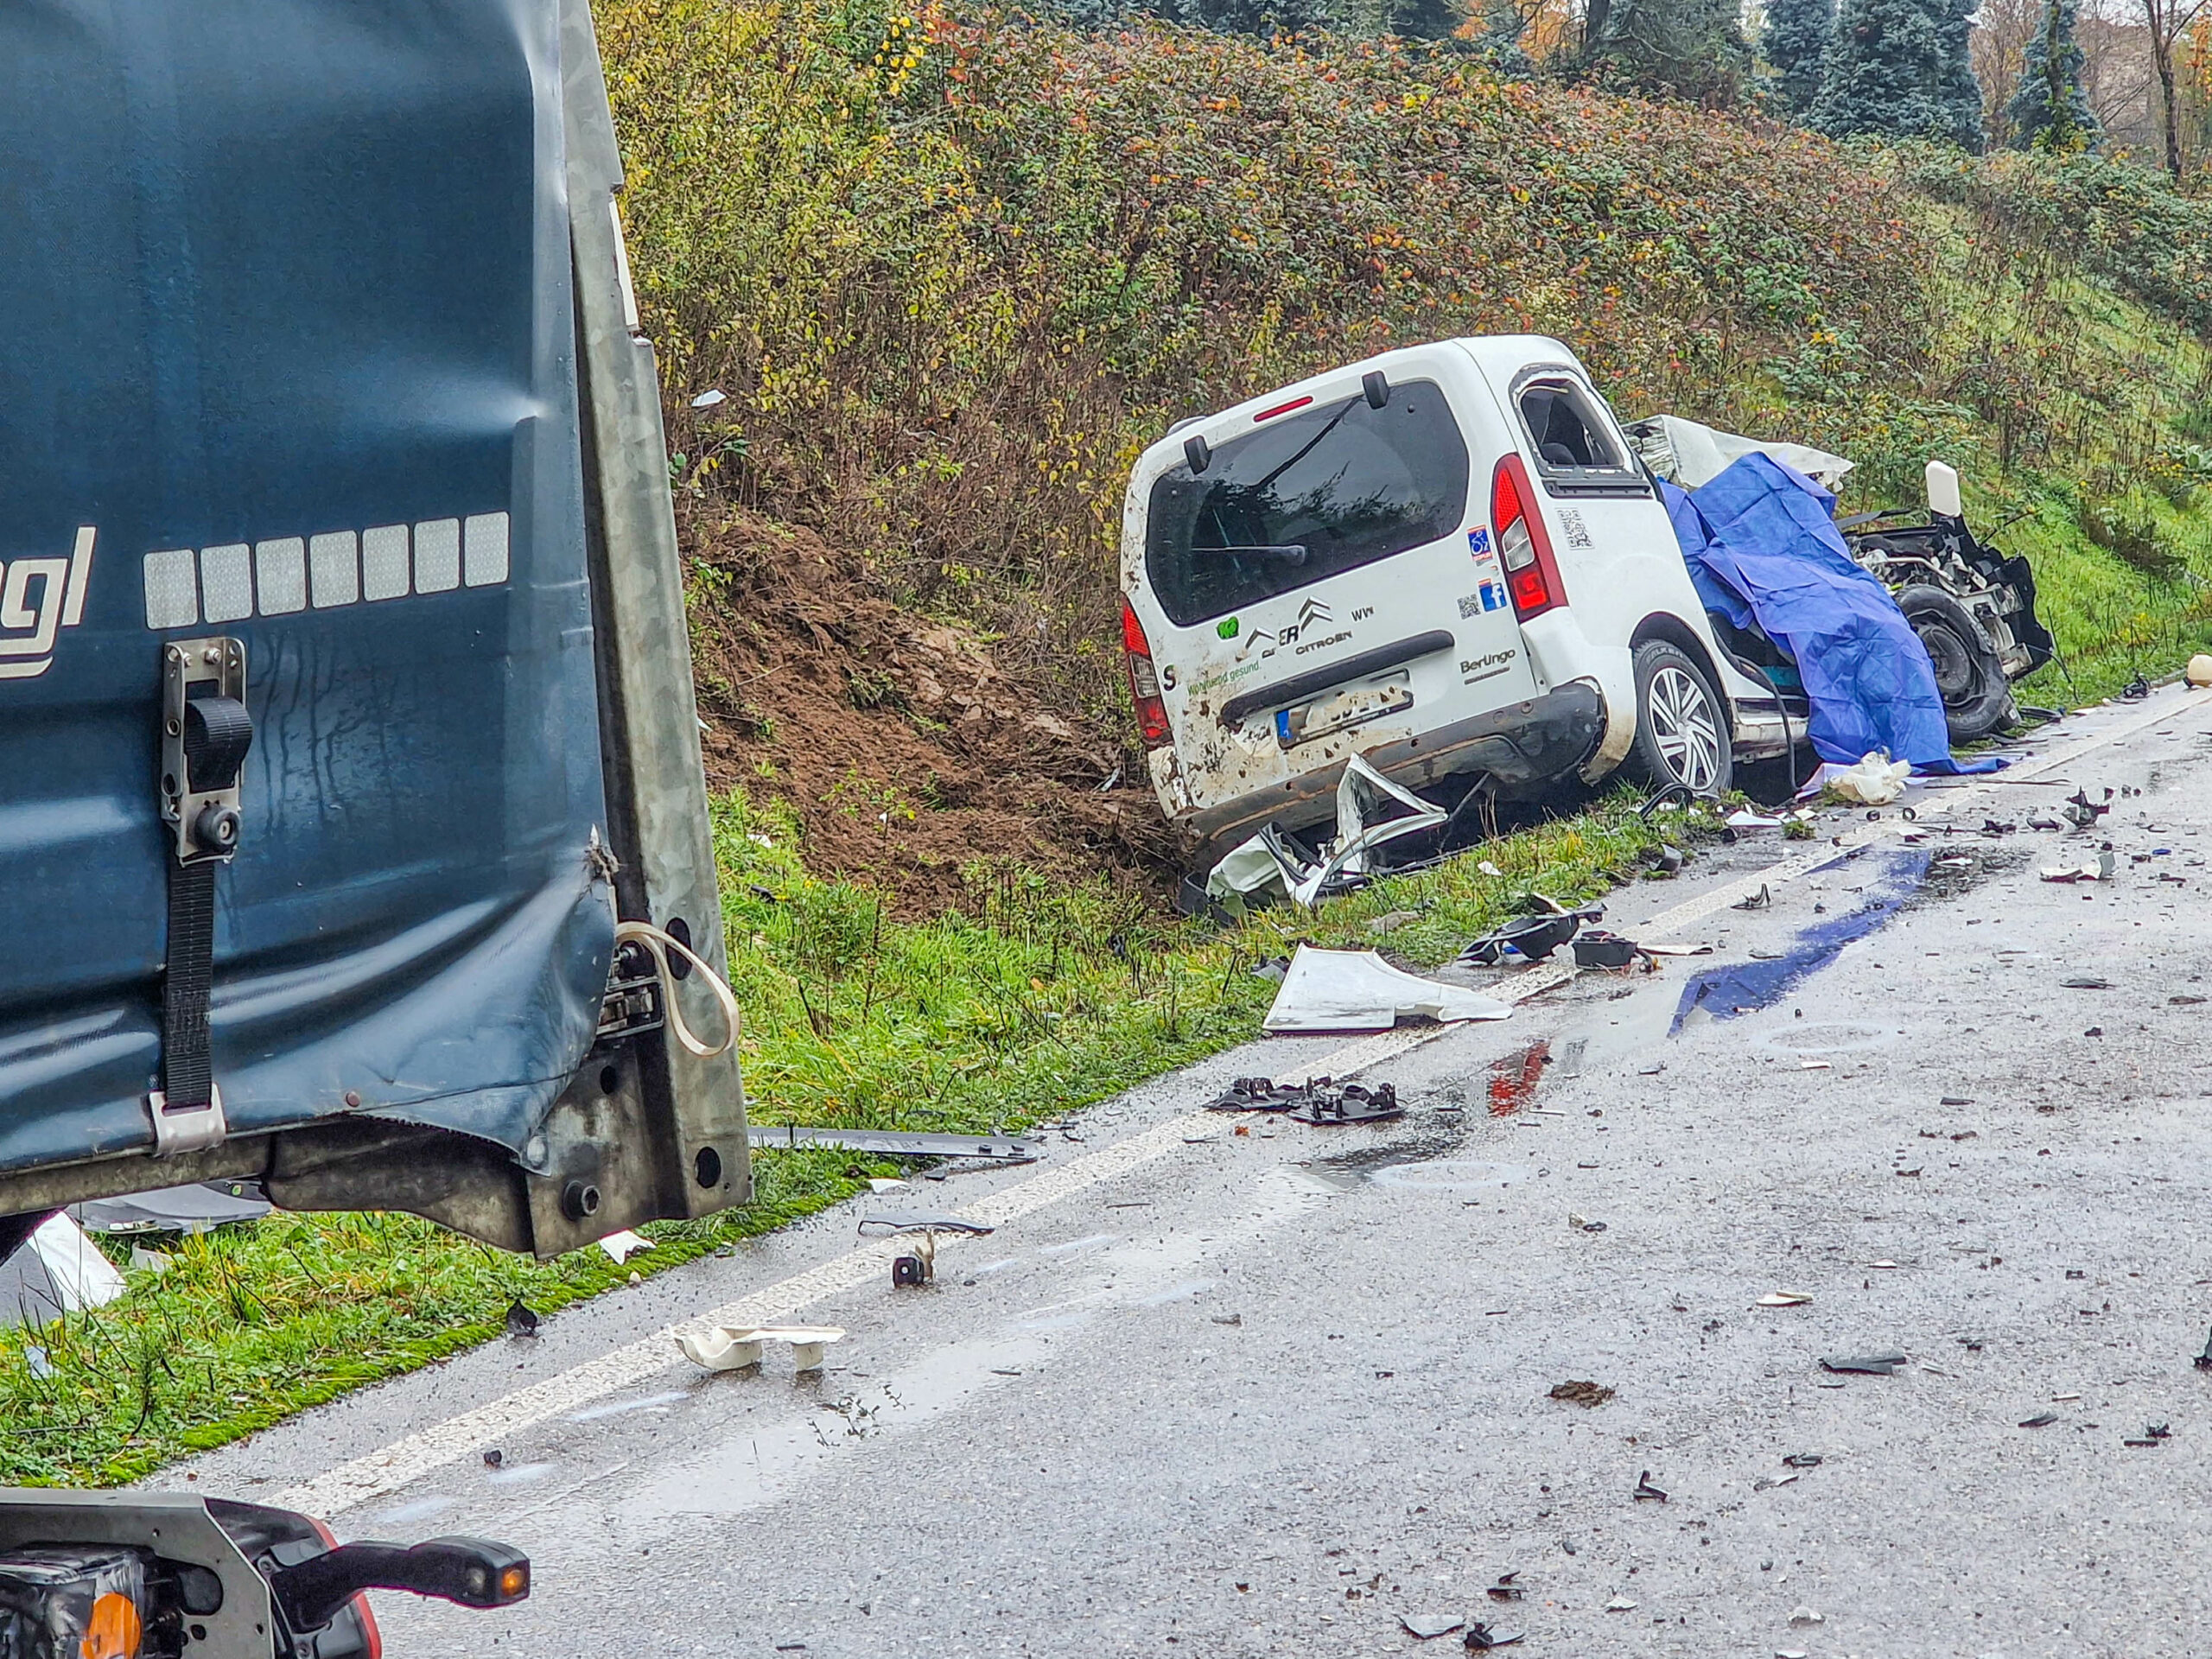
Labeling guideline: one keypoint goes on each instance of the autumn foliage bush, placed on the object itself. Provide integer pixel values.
(953, 273)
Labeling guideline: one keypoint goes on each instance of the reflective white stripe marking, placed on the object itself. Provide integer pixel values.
(334, 569)
(483, 541)
(227, 582)
(280, 575)
(383, 561)
(172, 589)
(437, 556)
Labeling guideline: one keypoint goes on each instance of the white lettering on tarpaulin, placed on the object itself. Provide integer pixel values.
(286, 575)
(39, 595)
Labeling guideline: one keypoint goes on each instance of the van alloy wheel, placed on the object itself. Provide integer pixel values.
(1685, 726)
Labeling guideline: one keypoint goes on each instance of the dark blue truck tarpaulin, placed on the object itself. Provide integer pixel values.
(1764, 551)
(289, 357)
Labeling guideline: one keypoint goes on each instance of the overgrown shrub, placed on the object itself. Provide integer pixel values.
(954, 275)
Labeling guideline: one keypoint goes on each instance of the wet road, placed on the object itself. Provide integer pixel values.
(1244, 1393)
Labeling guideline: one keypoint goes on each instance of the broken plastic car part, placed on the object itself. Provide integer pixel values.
(1357, 990)
(918, 1266)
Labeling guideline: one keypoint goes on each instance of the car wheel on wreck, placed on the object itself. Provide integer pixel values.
(1681, 732)
(1977, 700)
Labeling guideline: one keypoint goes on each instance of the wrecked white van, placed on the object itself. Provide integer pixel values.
(1446, 559)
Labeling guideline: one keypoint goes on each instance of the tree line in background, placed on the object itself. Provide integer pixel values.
(2133, 76)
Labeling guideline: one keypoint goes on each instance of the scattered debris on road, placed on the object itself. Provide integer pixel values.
(918, 1266)
(2041, 1420)
(1602, 949)
(521, 1322)
(1526, 938)
(1863, 1365)
(1480, 1639)
(1426, 1625)
(1357, 990)
(1783, 1298)
(1508, 1587)
(1009, 1149)
(1581, 1393)
(1645, 1492)
(730, 1348)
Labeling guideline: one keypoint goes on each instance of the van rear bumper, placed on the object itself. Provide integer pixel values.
(1521, 745)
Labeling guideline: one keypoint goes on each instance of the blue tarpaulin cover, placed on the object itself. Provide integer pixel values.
(1763, 551)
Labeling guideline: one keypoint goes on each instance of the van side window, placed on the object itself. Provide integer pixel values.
(1568, 433)
(1307, 495)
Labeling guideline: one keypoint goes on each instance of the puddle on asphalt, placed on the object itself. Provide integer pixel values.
(1830, 1037)
(760, 1465)
(1891, 881)
(1450, 1175)
(1344, 1171)
(1630, 1029)
(653, 1402)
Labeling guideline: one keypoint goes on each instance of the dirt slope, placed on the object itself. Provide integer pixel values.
(906, 752)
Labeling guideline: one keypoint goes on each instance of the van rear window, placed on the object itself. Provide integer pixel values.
(1308, 495)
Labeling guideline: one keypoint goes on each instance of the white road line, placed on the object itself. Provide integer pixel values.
(406, 1460)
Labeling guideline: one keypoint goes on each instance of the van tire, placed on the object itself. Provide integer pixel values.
(1681, 725)
(1969, 676)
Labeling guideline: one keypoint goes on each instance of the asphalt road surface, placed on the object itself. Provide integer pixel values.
(1213, 1392)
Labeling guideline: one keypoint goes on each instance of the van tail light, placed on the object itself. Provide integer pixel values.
(1144, 679)
(1531, 573)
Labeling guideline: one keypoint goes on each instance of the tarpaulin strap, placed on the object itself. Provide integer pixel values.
(659, 944)
(218, 731)
(187, 987)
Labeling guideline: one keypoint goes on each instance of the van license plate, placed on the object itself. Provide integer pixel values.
(1335, 713)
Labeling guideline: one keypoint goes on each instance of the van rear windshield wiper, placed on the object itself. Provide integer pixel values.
(1289, 553)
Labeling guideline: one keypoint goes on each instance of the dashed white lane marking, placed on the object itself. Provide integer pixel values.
(404, 1461)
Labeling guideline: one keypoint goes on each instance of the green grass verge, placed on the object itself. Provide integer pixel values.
(1043, 1000)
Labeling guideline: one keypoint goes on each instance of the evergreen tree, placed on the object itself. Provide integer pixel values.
(1690, 49)
(1793, 42)
(1900, 67)
(2048, 109)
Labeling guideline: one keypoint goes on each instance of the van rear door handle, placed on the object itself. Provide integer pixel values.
(1329, 676)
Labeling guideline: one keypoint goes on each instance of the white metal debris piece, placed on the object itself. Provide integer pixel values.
(625, 1244)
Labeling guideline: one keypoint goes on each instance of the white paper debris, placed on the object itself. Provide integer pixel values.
(1357, 990)
(624, 1245)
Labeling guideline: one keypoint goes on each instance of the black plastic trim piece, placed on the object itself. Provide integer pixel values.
(1283, 693)
(1626, 490)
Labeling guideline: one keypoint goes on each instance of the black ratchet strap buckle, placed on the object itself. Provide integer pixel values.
(206, 732)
